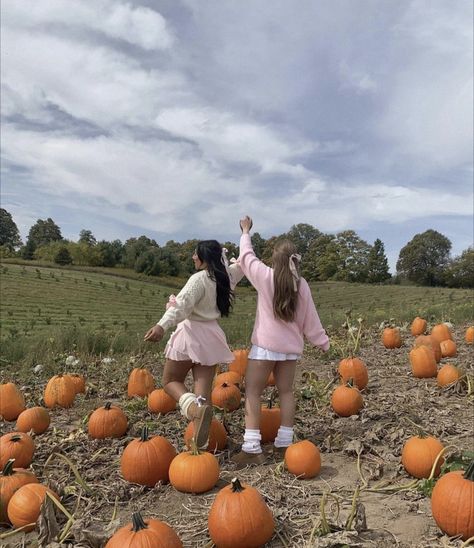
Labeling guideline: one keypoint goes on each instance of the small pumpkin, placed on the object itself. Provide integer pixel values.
(423, 362)
(12, 401)
(145, 533)
(25, 505)
(270, 420)
(448, 374)
(448, 348)
(419, 454)
(11, 480)
(18, 446)
(79, 383)
(239, 516)
(140, 383)
(452, 503)
(226, 396)
(469, 336)
(391, 337)
(60, 391)
(161, 402)
(241, 359)
(146, 460)
(217, 436)
(427, 340)
(34, 418)
(354, 368)
(108, 421)
(418, 326)
(194, 471)
(303, 459)
(346, 400)
(441, 332)
(229, 377)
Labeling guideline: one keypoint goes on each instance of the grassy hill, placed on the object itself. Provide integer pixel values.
(45, 308)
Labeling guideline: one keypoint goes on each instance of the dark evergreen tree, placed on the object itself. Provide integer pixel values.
(86, 237)
(9, 234)
(377, 264)
(63, 256)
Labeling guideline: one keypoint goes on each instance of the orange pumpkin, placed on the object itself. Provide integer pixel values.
(270, 420)
(144, 533)
(194, 471)
(160, 402)
(240, 517)
(418, 326)
(448, 374)
(60, 391)
(441, 332)
(146, 460)
(391, 337)
(423, 363)
(346, 400)
(10, 481)
(469, 336)
(12, 402)
(140, 383)
(25, 505)
(452, 503)
(226, 396)
(217, 436)
(448, 348)
(108, 421)
(35, 418)
(79, 382)
(303, 459)
(228, 377)
(239, 365)
(18, 446)
(419, 454)
(353, 368)
(427, 340)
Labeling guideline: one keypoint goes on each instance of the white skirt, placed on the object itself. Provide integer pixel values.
(259, 353)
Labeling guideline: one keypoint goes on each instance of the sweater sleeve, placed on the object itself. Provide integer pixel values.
(312, 327)
(235, 274)
(252, 267)
(186, 299)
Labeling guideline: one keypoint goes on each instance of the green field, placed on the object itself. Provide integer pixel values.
(55, 309)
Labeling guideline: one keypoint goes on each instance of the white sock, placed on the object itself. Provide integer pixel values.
(252, 441)
(284, 436)
(185, 401)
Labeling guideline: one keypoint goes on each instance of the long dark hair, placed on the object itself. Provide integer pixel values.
(285, 298)
(210, 252)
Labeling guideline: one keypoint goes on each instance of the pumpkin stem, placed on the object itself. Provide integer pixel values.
(236, 485)
(194, 448)
(468, 474)
(350, 382)
(16, 437)
(137, 522)
(108, 405)
(144, 436)
(8, 468)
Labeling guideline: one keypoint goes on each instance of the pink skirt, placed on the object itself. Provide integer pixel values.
(201, 342)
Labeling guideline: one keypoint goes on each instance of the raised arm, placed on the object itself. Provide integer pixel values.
(312, 327)
(252, 267)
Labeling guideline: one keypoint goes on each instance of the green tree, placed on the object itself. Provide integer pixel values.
(258, 244)
(302, 235)
(377, 264)
(63, 256)
(86, 237)
(423, 260)
(353, 256)
(44, 232)
(156, 261)
(28, 250)
(460, 271)
(322, 259)
(110, 252)
(9, 234)
(133, 248)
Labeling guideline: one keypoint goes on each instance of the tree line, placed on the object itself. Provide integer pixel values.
(424, 260)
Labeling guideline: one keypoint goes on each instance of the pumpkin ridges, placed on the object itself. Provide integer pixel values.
(226, 396)
(18, 446)
(34, 418)
(447, 375)
(356, 369)
(441, 332)
(108, 421)
(140, 383)
(160, 402)
(391, 337)
(60, 391)
(24, 506)
(423, 362)
(346, 400)
(194, 471)
(12, 401)
(11, 480)
(418, 326)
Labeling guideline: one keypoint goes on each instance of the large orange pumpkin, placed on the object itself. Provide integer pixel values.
(427, 340)
(217, 436)
(146, 460)
(270, 420)
(391, 337)
(79, 382)
(418, 326)
(226, 396)
(452, 503)
(194, 471)
(140, 383)
(353, 368)
(60, 391)
(441, 332)
(160, 402)
(18, 446)
(240, 517)
(145, 533)
(448, 374)
(25, 505)
(346, 400)
(419, 454)
(469, 336)
(12, 402)
(239, 365)
(108, 421)
(35, 418)
(303, 459)
(423, 363)
(448, 348)
(10, 481)
(229, 377)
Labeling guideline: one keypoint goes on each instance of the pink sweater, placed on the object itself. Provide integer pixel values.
(273, 333)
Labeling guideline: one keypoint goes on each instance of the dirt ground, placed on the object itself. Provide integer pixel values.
(394, 400)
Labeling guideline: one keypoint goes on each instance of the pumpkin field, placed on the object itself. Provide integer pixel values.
(384, 434)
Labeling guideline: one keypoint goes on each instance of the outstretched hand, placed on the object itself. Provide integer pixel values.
(155, 334)
(246, 224)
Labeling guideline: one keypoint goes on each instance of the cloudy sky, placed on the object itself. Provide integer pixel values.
(173, 118)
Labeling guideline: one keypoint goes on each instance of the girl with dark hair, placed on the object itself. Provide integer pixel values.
(198, 343)
(285, 315)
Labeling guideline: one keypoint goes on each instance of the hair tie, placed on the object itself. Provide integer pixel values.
(294, 257)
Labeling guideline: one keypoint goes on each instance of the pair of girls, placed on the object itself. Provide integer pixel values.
(285, 315)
